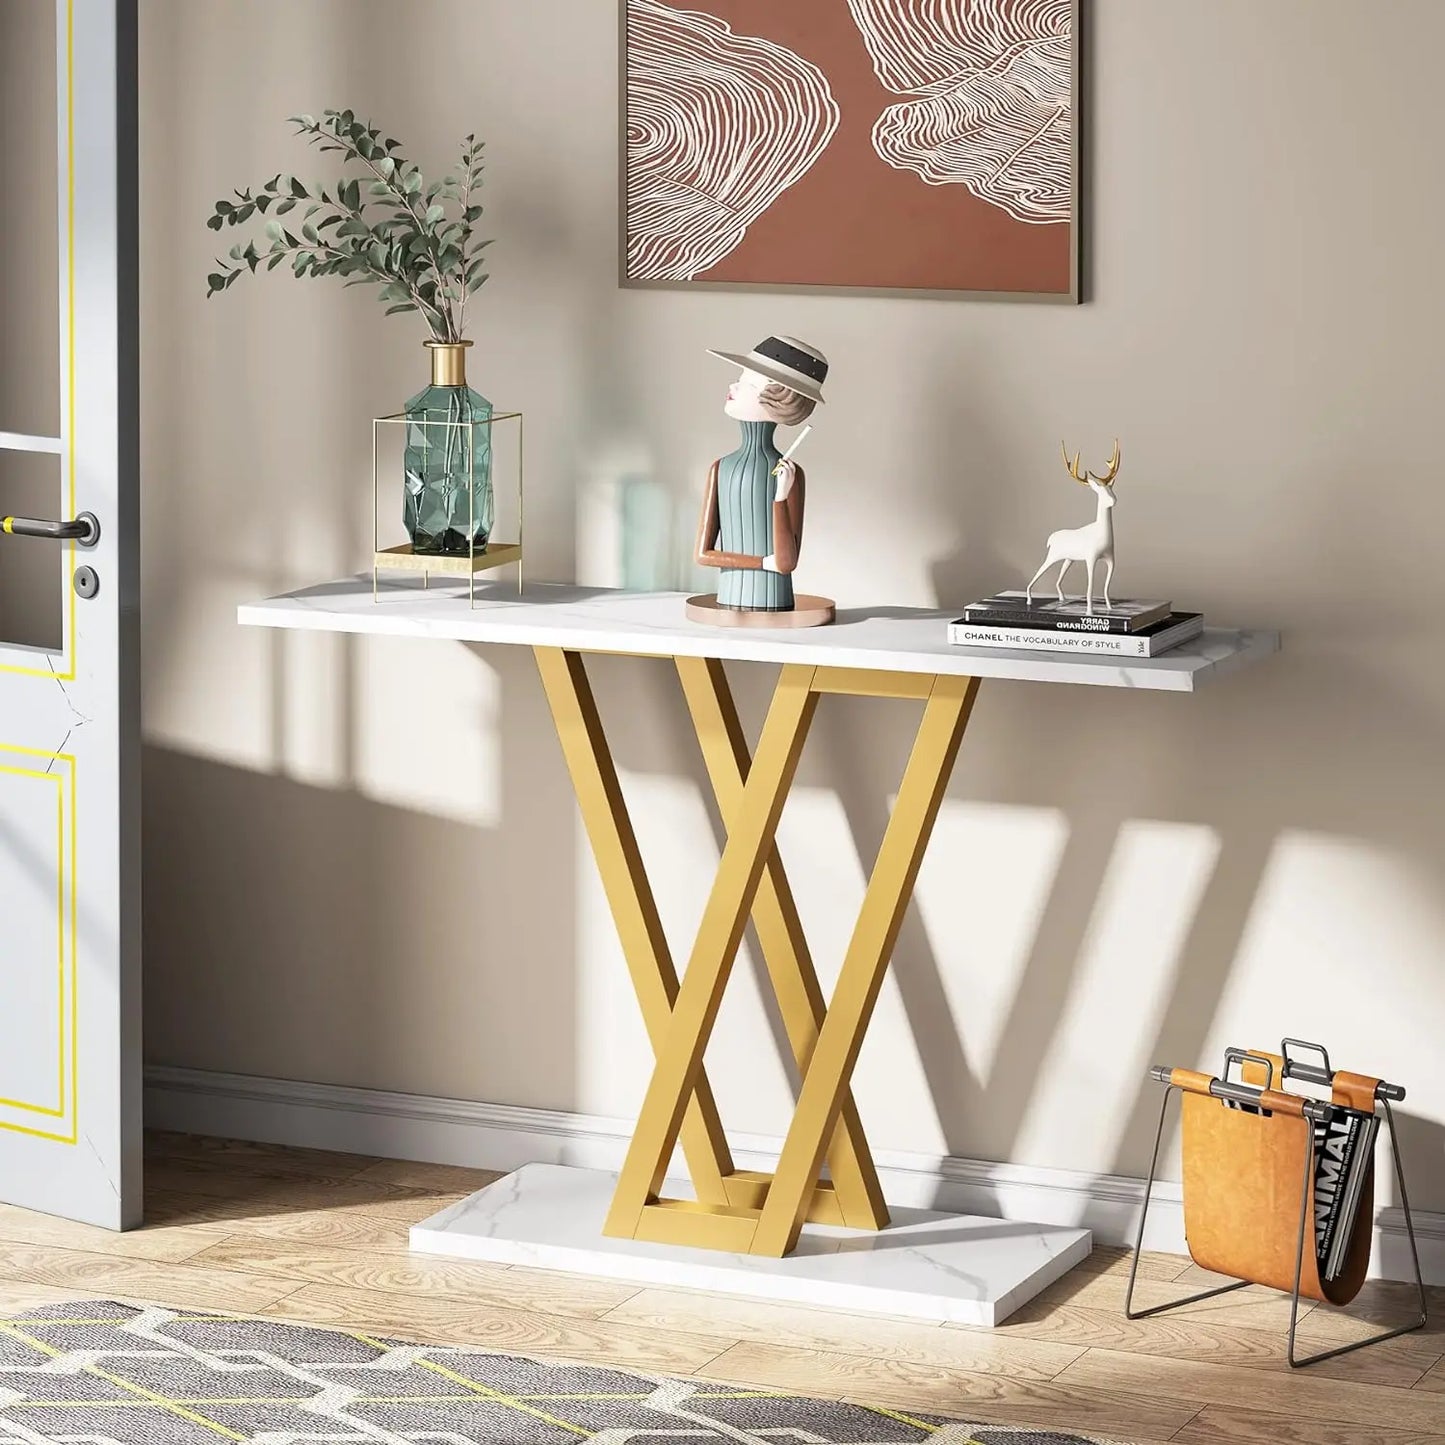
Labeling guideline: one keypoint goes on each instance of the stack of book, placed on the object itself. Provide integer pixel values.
(1128, 628)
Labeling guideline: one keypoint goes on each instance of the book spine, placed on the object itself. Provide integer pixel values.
(1361, 1152)
(993, 617)
(1332, 1139)
(1033, 639)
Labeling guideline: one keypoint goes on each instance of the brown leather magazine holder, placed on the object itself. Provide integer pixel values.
(1248, 1182)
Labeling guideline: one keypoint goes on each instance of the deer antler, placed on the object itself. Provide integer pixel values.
(1073, 465)
(1107, 480)
(1112, 471)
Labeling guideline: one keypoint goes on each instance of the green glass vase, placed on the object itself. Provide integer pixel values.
(447, 496)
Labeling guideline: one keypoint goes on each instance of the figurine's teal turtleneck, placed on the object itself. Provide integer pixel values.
(745, 491)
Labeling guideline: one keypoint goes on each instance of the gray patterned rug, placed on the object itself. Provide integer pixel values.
(99, 1372)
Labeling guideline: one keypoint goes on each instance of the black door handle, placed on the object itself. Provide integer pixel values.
(85, 529)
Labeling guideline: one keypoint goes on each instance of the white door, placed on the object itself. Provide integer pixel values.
(69, 664)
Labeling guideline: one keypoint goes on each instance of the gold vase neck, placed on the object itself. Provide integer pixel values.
(448, 362)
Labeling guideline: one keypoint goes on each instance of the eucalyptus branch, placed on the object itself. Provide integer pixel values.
(425, 259)
(346, 136)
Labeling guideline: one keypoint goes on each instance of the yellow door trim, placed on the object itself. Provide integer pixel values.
(67, 975)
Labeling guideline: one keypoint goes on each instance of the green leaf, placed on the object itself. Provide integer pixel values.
(216, 222)
(283, 206)
(297, 189)
(405, 306)
(434, 214)
(216, 281)
(273, 229)
(414, 183)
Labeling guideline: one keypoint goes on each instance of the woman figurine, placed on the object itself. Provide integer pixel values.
(752, 513)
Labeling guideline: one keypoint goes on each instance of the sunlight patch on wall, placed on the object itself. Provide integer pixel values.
(428, 730)
(1343, 948)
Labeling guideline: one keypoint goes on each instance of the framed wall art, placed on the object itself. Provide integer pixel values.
(890, 146)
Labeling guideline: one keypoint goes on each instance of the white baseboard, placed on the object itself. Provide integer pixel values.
(503, 1136)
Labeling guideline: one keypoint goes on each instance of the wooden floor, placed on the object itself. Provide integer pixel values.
(303, 1235)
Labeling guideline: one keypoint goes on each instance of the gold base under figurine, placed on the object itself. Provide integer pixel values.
(807, 612)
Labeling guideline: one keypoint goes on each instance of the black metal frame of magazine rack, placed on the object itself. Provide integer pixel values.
(1315, 1111)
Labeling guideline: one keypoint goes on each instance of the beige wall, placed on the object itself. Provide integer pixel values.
(363, 864)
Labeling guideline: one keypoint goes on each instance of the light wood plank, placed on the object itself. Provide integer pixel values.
(527, 1332)
(1401, 1361)
(1114, 1260)
(1254, 1307)
(1434, 1379)
(1301, 1393)
(161, 1242)
(296, 1192)
(1224, 1425)
(783, 1325)
(248, 1156)
(903, 1385)
(1384, 1299)
(165, 1283)
(400, 1272)
(349, 1228)
(450, 1178)
(16, 1296)
(1380, 1303)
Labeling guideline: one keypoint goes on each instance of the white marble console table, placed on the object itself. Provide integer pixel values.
(817, 1229)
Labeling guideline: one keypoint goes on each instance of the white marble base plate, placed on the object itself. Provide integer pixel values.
(951, 1268)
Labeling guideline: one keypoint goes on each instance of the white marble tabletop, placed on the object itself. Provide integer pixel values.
(592, 619)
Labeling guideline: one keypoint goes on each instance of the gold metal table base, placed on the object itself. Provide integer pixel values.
(742, 1210)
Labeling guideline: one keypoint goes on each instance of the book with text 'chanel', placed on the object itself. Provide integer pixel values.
(1177, 627)
(1013, 609)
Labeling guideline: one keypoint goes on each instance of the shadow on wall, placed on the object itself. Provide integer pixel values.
(1324, 745)
(394, 938)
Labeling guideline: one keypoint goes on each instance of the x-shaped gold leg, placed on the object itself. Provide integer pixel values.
(853, 1183)
(740, 1210)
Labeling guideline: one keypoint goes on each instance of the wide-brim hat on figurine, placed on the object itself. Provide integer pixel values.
(798, 366)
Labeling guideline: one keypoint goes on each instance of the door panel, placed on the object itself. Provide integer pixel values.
(29, 242)
(32, 571)
(37, 980)
(69, 665)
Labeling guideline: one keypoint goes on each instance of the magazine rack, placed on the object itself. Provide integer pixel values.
(1244, 1144)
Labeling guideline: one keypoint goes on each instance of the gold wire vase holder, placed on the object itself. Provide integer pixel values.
(476, 559)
